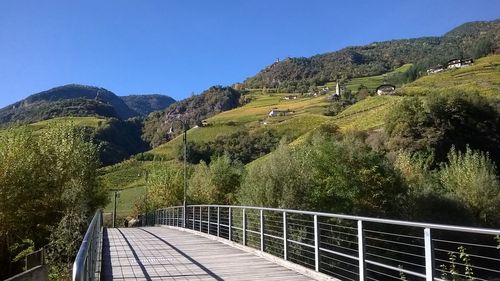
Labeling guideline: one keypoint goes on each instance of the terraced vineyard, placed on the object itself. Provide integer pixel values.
(306, 114)
(482, 77)
(370, 82)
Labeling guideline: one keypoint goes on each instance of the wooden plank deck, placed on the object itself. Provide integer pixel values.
(160, 253)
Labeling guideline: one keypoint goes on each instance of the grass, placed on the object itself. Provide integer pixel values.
(371, 82)
(366, 114)
(76, 121)
(482, 77)
(305, 112)
(126, 200)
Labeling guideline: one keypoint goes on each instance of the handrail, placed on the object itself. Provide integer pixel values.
(349, 247)
(477, 230)
(86, 262)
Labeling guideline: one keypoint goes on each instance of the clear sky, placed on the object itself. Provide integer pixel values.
(179, 47)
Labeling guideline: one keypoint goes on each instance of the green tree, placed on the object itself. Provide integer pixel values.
(473, 178)
(46, 178)
(349, 177)
(433, 124)
(280, 180)
(217, 183)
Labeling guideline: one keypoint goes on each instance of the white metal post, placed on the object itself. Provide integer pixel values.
(200, 220)
(230, 223)
(262, 230)
(361, 251)
(193, 217)
(429, 255)
(285, 237)
(218, 221)
(208, 219)
(244, 226)
(316, 243)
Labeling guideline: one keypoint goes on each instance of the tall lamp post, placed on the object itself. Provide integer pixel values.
(184, 140)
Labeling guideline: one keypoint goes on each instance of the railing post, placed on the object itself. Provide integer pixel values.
(244, 227)
(285, 237)
(193, 217)
(361, 251)
(429, 255)
(208, 219)
(230, 232)
(218, 221)
(201, 222)
(316, 243)
(262, 230)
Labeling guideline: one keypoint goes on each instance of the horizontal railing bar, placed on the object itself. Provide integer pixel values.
(395, 268)
(339, 254)
(465, 243)
(395, 242)
(337, 260)
(300, 243)
(395, 251)
(396, 260)
(273, 236)
(341, 247)
(339, 239)
(394, 234)
(385, 274)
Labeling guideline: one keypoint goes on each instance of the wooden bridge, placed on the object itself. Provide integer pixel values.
(212, 242)
(161, 253)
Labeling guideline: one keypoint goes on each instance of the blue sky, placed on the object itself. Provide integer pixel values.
(183, 47)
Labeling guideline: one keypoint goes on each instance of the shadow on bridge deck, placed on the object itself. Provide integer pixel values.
(159, 253)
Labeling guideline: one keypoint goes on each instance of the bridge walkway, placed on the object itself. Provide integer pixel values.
(161, 253)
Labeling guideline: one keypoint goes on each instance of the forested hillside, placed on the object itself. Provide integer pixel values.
(68, 100)
(192, 111)
(474, 40)
(145, 104)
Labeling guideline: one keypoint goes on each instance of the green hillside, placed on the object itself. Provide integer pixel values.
(370, 82)
(306, 114)
(92, 122)
(474, 39)
(483, 77)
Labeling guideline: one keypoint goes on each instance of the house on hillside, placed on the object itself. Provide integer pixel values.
(385, 89)
(292, 97)
(454, 63)
(436, 69)
(467, 62)
(275, 112)
(459, 63)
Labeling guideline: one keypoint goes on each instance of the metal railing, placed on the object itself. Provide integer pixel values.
(87, 262)
(350, 247)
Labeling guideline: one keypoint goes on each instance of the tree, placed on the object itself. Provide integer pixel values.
(48, 188)
(349, 177)
(280, 180)
(473, 178)
(433, 124)
(217, 183)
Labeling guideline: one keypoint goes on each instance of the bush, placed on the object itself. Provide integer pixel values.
(434, 124)
(473, 178)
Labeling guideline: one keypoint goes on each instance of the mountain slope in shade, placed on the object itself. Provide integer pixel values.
(145, 104)
(68, 100)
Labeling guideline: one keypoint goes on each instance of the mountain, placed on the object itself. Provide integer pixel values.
(68, 100)
(145, 104)
(474, 39)
(191, 111)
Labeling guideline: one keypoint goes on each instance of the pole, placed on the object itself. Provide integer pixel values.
(114, 209)
(185, 176)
